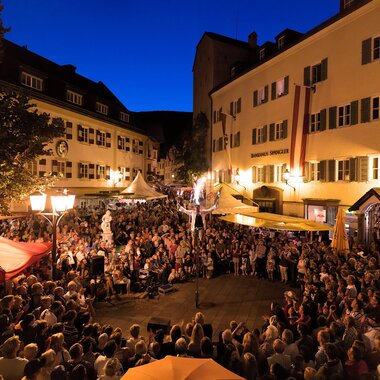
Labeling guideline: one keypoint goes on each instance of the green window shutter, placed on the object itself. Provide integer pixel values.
(363, 169)
(323, 119)
(332, 117)
(266, 93)
(286, 85)
(354, 112)
(285, 128)
(306, 76)
(254, 136)
(331, 170)
(273, 90)
(353, 169)
(322, 172)
(324, 69)
(366, 51)
(255, 97)
(265, 133)
(271, 132)
(365, 115)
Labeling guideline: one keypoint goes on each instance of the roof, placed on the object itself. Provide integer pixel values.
(375, 191)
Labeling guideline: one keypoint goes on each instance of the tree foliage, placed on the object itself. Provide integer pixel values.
(24, 136)
(192, 157)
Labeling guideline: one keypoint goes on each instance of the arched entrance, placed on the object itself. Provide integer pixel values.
(269, 199)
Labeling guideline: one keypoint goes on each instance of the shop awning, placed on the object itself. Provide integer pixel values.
(276, 222)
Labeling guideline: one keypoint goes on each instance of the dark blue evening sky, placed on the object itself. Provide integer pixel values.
(144, 50)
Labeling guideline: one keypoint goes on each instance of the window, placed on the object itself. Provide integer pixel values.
(74, 97)
(31, 81)
(344, 115)
(279, 131)
(343, 170)
(135, 146)
(280, 87)
(125, 174)
(83, 170)
(347, 3)
(101, 108)
(279, 173)
(101, 138)
(315, 169)
(261, 98)
(315, 122)
(262, 54)
(375, 108)
(375, 168)
(281, 42)
(260, 174)
(124, 117)
(235, 107)
(69, 130)
(61, 168)
(316, 73)
(260, 135)
(85, 134)
(32, 167)
(376, 48)
(100, 172)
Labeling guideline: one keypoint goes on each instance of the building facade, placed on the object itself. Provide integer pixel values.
(299, 130)
(101, 150)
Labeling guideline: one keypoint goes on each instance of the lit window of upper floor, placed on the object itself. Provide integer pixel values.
(101, 108)
(74, 97)
(31, 81)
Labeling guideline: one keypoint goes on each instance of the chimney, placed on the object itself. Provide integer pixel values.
(252, 40)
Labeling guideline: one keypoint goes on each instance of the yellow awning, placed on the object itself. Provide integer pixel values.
(276, 222)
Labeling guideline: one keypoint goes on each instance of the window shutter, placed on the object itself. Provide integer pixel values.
(231, 108)
(271, 132)
(273, 91)
(91, 132)
(324, 69)
(286, 85)
(91, 171)
(285, 128)
(80, 133)
(365, 116)
(108, 140)
(69, 166)
(69, 130)
(353, 169)
(363, 168)
(119, 142)
(254, 133)
(322, 172)
(238, 106)
(271, 174)
(255, 97)
(254, 177)
(97, 137)
(306, 76)
(366, 51)
(332, 117)
(306, 172)
(265, 133)
(354, 112)
(331, 170)
(80, 172)
(237, 139)
(266, 93)
(323, 119)
(97, 174)
(265, 168)
(108, 172)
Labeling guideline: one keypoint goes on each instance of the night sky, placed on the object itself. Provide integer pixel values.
(144, 50)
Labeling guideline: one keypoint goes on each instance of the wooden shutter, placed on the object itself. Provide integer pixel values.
(324, 69)
(238, 106)
(254, 174)
(69, 169)
(323, 119)
(322, 171)
(231, 108)
(286, 85)
(214, 117)
(80, 133)
(366, 51)
(271, 174)
(354, 112)
(108, 140)
(108, 172)
(91, 171)
(265, 133)
(285, 128)
(69, 130)
(306, 172)
(363, 169)
(332, 117)
(331, 170)
(80, 171)
(231, 141)
(254, 136)
(266, 93)
(273, 90)
(365, 115)
(353, 169)
(255, 97)
(271, 132)
(306, 76)
(91, 136)
(237, 139)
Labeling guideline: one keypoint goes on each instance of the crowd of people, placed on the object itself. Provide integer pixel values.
(328, 326)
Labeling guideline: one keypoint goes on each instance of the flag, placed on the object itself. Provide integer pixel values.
(300, 128)
(223, 118)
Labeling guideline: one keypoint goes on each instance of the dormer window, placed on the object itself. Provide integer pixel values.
(74, 97)
(124, 117)
(31, 81)
(262, 54)
(281, 42)
(347, 3)
(101, 108)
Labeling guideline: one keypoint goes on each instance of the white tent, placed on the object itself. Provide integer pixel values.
(139, 189)
(228, 204)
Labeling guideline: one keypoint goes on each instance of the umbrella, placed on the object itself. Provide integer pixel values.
(340, 241)
(177, 368)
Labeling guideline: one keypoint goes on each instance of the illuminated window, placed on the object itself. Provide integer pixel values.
(260, 135)
(260, 174)
(31, 81)
(100, 172)
(74, 97)
(315, 122)
(61, 168)
(101, 108)
(279, 131)
(343, 170)
(315, 168)
(261, 97)
(344, 115)
(280, 87)
(85, 134)
(83, 170)
(279, 173)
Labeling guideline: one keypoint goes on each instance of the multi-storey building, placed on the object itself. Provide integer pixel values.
(101, 150)
(300, 129)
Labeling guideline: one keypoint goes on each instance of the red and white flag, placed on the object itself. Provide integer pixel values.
(300, 129)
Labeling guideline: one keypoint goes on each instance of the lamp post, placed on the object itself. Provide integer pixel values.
(61, 202)
(287, 178)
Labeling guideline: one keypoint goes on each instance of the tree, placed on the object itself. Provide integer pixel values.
(24, 135)
(192, 157)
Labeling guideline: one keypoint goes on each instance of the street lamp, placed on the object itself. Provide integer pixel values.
(287, 178)
(61, 202)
